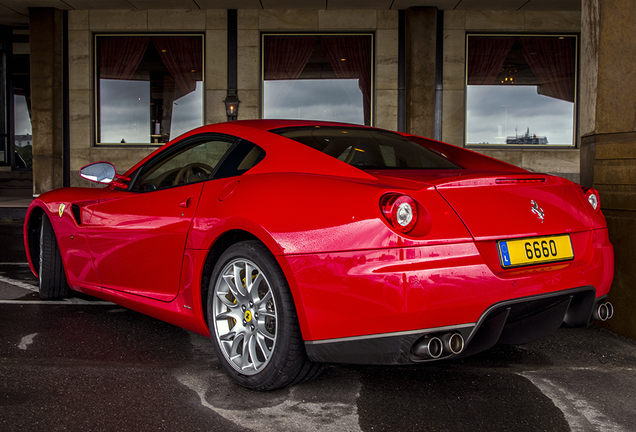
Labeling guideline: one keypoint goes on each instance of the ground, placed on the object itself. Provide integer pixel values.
(84, 364)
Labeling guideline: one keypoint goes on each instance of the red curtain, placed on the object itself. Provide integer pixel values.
(350, 58)
(553, 63)
(287, 56)
(486, 56)
(183, 58)
(119, 57)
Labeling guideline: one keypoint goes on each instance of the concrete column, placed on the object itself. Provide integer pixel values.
(608, 144)
(420, 36)
(46, 37)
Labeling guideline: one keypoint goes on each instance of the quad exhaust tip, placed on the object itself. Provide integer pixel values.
(453, 343)
(603, 311)
(432, 346)
(428, 347)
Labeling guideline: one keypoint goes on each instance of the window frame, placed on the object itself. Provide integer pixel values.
(96, 95)
(575, 117)
(371, 34)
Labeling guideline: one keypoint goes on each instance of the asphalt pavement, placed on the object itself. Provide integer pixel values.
(82, 364)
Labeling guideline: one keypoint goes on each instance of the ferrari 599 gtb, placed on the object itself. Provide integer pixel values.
(293, 244)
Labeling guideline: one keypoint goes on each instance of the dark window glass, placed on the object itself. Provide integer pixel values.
(185, 164)
(244, 156)
(198, 160)
(368, 148)
(22, 101)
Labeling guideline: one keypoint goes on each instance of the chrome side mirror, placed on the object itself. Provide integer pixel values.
(99, 172)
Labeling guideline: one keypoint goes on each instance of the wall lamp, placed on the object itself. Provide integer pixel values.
(231, 105)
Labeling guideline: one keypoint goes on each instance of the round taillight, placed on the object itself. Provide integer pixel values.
(593, 198)
(400, 211)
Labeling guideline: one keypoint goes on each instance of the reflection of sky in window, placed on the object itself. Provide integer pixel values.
(319, 99)
(22, 120)
(494, 112)
(187, 112)
(124, 111)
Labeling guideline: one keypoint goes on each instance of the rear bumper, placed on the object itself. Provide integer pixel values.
(400, 291)
(511, 322)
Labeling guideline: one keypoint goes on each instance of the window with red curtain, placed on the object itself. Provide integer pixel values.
(521, 89)
(149, 88)
(318, 77)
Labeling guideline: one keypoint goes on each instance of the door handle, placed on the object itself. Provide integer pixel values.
(185, 203)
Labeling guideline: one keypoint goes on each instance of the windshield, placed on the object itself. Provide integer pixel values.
(367, 148)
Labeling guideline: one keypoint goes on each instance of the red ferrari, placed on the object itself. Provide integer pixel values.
(293, 244)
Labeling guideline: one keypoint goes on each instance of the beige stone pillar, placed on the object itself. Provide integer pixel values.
(608, 144)
(46, 37)
(420, 46)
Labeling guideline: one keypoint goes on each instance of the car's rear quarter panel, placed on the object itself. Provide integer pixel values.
(352, 275)
(356, 293)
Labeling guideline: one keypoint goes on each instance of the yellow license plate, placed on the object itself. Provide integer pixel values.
(535, 250)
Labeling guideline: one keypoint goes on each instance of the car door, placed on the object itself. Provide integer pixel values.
(138, 236)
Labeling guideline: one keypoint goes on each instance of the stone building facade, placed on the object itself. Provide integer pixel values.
(419, 82)
(383, 24)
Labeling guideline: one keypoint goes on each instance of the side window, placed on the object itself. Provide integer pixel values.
(189, 164)
(243, 157)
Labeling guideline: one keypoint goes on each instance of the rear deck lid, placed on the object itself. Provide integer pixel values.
(515, 206)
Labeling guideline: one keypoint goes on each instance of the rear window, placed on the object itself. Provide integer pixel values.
(367, 148)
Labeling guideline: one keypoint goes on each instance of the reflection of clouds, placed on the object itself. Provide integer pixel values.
(493, 113)
(125, 111)
(22, 118)
(187, 112)
(322, 99)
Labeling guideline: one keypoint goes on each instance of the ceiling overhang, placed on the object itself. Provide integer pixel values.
(16, 12)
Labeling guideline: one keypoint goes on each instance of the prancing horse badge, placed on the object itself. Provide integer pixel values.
(537, 210)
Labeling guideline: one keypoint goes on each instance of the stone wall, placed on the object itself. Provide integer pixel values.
(609, 139)
(47, 96)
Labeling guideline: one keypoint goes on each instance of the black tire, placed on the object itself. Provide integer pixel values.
(275, 339)
(53, 284)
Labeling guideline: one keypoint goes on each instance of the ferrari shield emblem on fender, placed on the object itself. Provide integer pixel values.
(63, 206)
(537, 210)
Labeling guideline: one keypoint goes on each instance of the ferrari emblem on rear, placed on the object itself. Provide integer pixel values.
(537, 210)
(61, 209)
